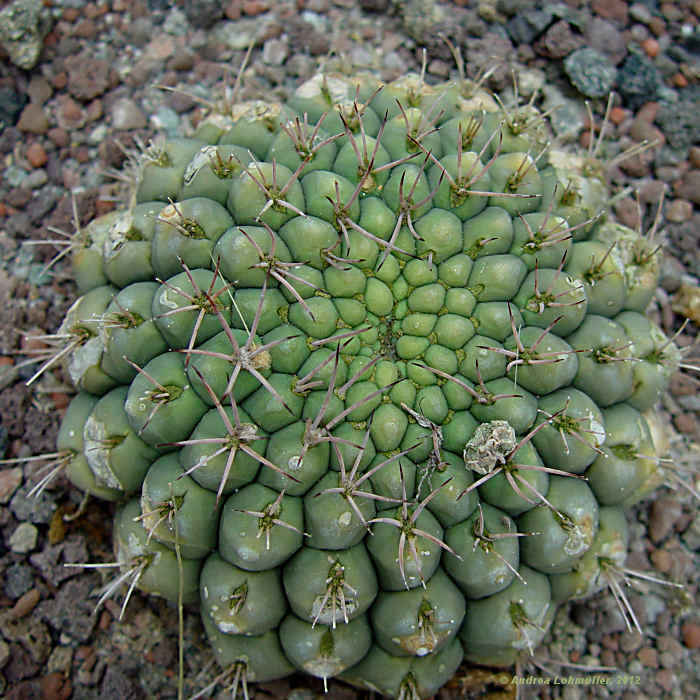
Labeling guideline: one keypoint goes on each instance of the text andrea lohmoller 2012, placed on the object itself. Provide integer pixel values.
(588, 679)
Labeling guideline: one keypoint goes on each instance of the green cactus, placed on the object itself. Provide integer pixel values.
(371, 368)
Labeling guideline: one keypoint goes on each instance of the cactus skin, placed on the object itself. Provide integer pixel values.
(342, 323)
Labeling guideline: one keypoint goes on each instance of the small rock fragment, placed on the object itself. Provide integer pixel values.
(24, 538)
(690, 633)
(33, 119)
(126, 114)
(23, 26)
(663, 515)
(591, 73)
(10, 479)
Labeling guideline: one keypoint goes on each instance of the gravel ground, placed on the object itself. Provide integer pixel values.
(87, 84)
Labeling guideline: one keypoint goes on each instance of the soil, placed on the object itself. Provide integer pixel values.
(98, 89)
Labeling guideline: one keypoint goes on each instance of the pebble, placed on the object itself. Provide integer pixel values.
(69, 114)
(591, 73)
(39, 89)
(88, 77)
(33, 119)
(126, 114)
(643, 130)
(671, 650)
(649, 657)
(615, 10)
(690, 634)
(640, 13)
(203, 13)
(10, 479)
(664, 678)
(630, 641)
(651, 47)
(650, 191)
(638, 80)
(526, 26)
(93, 111)
(275, 51)
(176, 22)
(34, 510)
(56, 686)
(11, 104)
(694, 156)
(439, 68)
(679, 210)
(689, 186)
(36, 155)
(161, 47)
(165, 119)
(626, 212)
(635, 667)
(685, 423)
(140, 31)
(24, 538)
(679, 121)
(181, 60)
(25, 604)
(19, 578)
(606, 38)
(59, 136)
(559, 41)
(85, 29)
(661, 559)
(60, 660)
(662, 517)
(36, 179)
(657, 26)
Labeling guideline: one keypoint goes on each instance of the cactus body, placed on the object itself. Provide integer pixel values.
(346, 372)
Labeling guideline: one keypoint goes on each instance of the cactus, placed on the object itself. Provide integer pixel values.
(368, 372)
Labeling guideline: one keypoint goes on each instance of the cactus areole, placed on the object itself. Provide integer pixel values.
(367, 373)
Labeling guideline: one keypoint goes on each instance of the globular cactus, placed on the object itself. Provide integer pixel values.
(368, 372)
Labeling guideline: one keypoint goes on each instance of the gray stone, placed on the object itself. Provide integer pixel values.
(10, 479)
(126, 114)
(638, 80)
(70, 611)
(236, 35)
(203, 14)
(51, 561)
(116, 685)
(38, 509)
(690, 403)
(691, 537)
(165, 119)
(24, 538)
(11, 105)
(275, 51)
(606, 38)
(140, 31)
(640, 13)
(19, 578)
(679, 120)
(591, 73)
(23, 26)
(653, 606)
(302, 694)
(176, 22)
(36, 179)
(567, 115)
(525, 27)
(419, 16)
